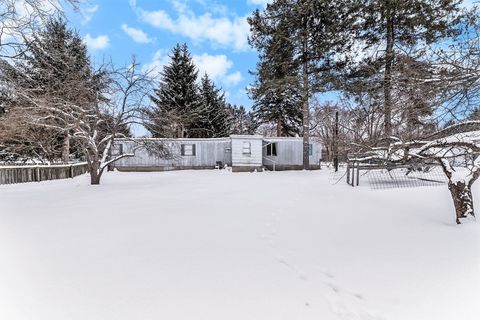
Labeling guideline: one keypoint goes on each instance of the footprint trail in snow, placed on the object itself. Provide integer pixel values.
(345, 304)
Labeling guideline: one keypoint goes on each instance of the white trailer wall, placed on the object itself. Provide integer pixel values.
(207, 153)
(246, 158)
(290, 153)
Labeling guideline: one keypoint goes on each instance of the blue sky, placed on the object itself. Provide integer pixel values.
(215, 30)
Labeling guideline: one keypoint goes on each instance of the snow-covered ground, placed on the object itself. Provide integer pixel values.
(215, 245)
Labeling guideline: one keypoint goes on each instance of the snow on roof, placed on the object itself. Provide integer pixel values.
(245, 136)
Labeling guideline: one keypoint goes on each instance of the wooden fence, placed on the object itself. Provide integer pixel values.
(21, 174)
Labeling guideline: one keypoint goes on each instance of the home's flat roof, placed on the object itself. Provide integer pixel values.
(283, 138)
(174, 139)
(233, 136)
(245, 136)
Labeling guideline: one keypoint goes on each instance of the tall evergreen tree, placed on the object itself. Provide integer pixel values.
(393, 26)
(277, 88)
(56, 67)
(242, 122)
(176, 102)
(316, 30)
(416, 100)
(213, 119)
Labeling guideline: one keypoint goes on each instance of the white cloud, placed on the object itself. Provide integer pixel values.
(137, 35)
(159, 19)
(221, 31)
(212, 6)
(180, 5)
(217, 67)
(88, 13)
(96, 43)
(159, 59)
(233, 78)
(259, 2)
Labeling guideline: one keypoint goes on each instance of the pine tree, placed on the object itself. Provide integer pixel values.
(176, 101)
(316, 32)
(242, 122)
(277, 88)
(400, 25)
(57, 67)
(213, 119)
(415, 99)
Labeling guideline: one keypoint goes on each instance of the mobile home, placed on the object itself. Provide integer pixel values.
(240, 152)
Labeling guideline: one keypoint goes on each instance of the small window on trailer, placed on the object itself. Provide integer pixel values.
(272, 149)
(247, 147)
(310, 149)
(188, 149)
(117, 149)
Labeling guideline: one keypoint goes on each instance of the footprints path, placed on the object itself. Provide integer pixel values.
(344, 304)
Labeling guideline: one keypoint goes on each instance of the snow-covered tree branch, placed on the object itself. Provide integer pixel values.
(20, 19)
(100, 106)
(455, 148)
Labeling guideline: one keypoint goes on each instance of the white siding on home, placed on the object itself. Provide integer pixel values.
(290, 151)
(240, 158)
(207, 153)
(241, 152)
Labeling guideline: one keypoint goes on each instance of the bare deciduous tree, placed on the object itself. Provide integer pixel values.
(19, 19)
(96, 119)
(456, 148)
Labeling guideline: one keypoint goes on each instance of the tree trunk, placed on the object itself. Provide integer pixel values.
(94, 173)
(306, 113)
(279, 127)
(335, 144)
(94, 178)
(66, 148)
(462, 199)
(387, 83)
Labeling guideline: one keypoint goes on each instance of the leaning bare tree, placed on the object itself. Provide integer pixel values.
(441, 90)
(128, 92)
(456, 148)
(109, 105)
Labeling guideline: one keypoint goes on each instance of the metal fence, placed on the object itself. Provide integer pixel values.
(22, 174)
(386, 176)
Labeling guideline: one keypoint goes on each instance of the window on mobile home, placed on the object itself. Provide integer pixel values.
(247, 147)
(310, 149)
(272, 149)
(188, 150)
(117, 149)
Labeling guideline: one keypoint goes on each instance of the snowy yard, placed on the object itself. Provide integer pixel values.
(215, 245)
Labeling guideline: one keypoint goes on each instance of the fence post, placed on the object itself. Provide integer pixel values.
(358, 173)
(348, 172)
(352, 175)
